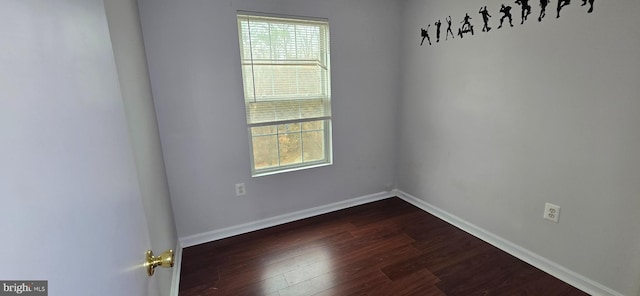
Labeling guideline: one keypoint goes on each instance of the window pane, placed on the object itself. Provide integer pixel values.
(313, 125)
(314, 108)
(313, 145)
(261, 112)
(309, 82)
(264, 130)
(263, 80)
(285, 84)
(287, 110)
(290, 148)
(283, 41)
(260, 40)
(288, 128)
(248, 83)
(265, 151)
(308, 44)
(269, 111)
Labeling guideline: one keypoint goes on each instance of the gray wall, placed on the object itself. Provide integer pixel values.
(194, 63)
(495, 125)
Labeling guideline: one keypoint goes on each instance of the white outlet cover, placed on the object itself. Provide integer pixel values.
(552, 212)
(240, 189)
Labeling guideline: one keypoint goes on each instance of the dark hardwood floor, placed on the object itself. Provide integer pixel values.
(387, 247)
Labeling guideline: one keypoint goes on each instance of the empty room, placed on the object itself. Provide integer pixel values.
(320, 147)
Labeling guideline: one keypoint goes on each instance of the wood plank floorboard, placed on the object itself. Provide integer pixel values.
(388, 247)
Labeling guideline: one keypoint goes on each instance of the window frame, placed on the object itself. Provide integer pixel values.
(327, 120)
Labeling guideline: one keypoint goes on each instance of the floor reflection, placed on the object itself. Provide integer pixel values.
(305, 274)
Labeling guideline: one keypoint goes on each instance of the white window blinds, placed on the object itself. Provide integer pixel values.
(285, 68)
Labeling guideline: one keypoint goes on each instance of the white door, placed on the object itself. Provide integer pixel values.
(70, 207)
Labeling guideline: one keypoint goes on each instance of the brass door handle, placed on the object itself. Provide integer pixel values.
(165, 260)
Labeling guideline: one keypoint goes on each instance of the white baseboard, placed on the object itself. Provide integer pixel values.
(177, 266)
(286, 218)
(581, 282)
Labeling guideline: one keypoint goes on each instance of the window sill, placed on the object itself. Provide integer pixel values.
(290, 169)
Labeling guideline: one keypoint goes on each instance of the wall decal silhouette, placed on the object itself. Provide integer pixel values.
(438, 24)
(466, 26)
(506, 13)
(543, 9)
(526, 9)
(505, 10)
(561, 4)
(485, 18)
(449, 28)
(584, 2)
(425, 34)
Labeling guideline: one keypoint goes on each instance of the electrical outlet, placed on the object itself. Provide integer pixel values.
(240, 189)
(552, 212)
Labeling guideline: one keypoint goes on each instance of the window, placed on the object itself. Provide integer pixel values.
(287, 93)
